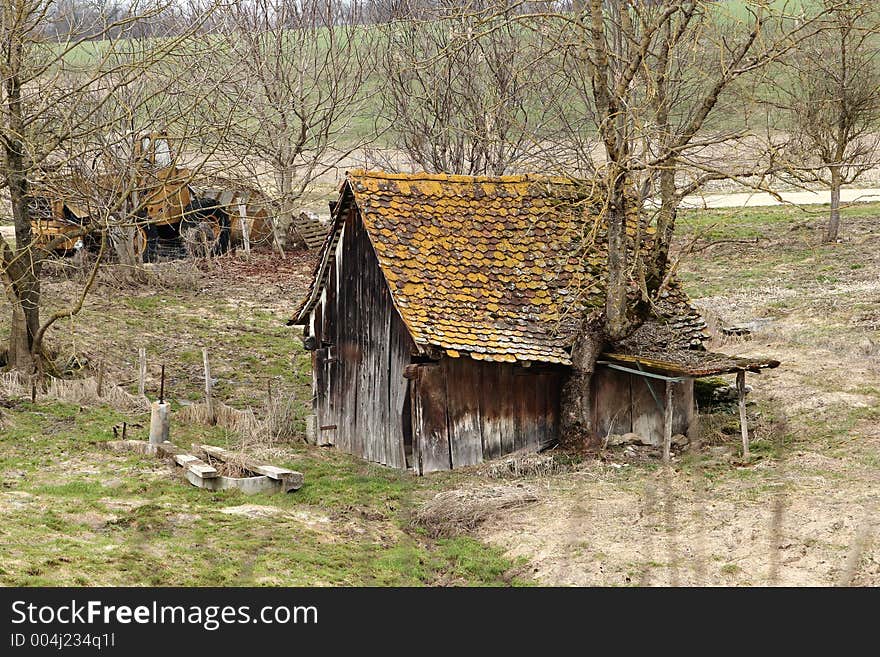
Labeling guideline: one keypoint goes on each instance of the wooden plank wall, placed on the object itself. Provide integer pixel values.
(362, 349)
(462, 411)
(467, 411)
(622, 403)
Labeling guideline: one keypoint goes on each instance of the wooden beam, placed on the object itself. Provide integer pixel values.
(743, 420)
(142, 370)
(185, 459)
(650, 375)
(201, 469)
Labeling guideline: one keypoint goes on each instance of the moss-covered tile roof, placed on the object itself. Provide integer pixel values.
(495, 268)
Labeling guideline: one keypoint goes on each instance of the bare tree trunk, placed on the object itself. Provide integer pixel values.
(25, 322)
(19, 354)
(22, 273)
(834, 219)
(616, 300)
(665, 227)
(281, 224)
(577, 409)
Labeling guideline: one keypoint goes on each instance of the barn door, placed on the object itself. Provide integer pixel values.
(430, 431)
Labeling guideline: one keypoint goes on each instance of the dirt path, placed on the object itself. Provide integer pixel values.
(789, 522)
(756, 199)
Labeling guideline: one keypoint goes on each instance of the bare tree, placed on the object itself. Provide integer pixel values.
(465, 91)
(830, 90)
(62, 103)
(297, 87)
(657, 72)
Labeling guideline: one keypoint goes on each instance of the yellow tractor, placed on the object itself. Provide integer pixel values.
(166, 205)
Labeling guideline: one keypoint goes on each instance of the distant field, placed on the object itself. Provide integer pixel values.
(91, 53)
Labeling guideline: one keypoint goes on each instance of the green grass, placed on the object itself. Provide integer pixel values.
(74, 512)
(771, 245)
(80, 514)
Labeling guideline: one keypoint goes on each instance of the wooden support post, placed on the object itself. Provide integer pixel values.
(33, 390)
(142, 371)
(743, 420)
(209, 400)
(100, 384)
(667, 424)
(245, 228)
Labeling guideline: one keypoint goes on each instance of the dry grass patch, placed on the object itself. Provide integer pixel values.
(455, 512)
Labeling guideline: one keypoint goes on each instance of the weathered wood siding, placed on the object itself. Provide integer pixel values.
(361, 350)
(623, 403)
(466, 411)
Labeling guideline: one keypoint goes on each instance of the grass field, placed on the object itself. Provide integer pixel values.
(82, 58)
(74, 512)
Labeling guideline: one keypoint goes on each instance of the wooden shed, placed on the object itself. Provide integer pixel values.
(443, 309)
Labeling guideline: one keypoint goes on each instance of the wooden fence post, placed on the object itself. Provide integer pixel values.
(100, 383)
(209, 401)
(743, 420)
(245, 228)
(142, 370)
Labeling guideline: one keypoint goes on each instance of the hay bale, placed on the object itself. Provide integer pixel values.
(462, 510)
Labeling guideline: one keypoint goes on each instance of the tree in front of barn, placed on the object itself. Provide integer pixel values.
(655, 79)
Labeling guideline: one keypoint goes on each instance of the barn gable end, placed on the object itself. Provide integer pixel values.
(360, 350)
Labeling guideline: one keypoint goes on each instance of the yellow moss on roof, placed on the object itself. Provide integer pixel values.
(475, 263)
(496, 268)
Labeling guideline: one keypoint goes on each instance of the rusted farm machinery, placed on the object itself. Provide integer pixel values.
(165, 210)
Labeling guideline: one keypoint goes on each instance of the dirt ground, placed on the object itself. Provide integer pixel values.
(802, 514)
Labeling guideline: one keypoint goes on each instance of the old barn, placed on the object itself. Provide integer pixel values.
(441, 317)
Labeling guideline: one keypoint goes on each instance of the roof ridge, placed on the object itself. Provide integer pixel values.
(460, 178)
